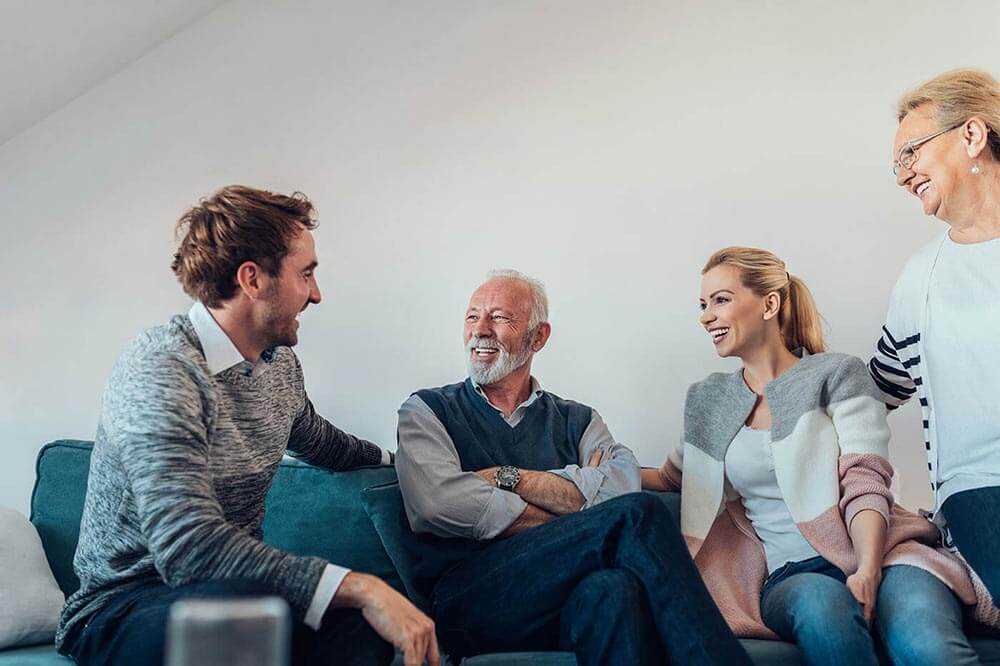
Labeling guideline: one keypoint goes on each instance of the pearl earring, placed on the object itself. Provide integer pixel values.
(975, 169)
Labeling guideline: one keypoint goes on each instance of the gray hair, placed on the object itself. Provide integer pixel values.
(539, 299)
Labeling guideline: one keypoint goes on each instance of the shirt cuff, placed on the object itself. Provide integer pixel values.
(502, 509)
(328, 585)
(386, 457)
(588, 481)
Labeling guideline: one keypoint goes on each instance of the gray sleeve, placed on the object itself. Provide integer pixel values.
(156, 412)
(439, 497)
(318, 442)
(618, 473)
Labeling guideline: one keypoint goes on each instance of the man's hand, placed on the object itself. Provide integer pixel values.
(392, 616)
(595, 458)
(490, 474)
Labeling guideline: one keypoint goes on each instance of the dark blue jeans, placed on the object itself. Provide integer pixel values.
(131, 629)
(972, 523)
(613, 584)
(917, 617)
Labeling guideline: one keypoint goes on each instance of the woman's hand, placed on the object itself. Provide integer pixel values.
(868, 534)
(863, 584)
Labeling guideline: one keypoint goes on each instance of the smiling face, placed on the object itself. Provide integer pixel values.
(736, 318)
(289, 293)
(497, 338)
(938, 176)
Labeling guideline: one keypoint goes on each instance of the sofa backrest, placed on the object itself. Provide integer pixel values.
(310, 511)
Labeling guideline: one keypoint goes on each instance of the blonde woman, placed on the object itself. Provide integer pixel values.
(941, 340)
(785, 500)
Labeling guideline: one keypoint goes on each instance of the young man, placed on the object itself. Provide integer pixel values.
(195, 419)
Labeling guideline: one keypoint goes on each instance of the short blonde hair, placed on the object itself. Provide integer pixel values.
(957, 96)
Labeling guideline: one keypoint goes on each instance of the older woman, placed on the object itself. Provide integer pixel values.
(941, 341)
(784, 480)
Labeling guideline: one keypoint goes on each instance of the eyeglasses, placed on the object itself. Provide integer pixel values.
(908, 153)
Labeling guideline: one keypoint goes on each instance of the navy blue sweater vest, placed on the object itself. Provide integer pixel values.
(548, 437)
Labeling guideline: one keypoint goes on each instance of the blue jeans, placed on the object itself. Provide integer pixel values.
(613, 584)
(131, 629)
(971, 517)
(917, 617)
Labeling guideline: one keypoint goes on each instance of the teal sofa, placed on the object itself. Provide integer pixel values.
(309, 511)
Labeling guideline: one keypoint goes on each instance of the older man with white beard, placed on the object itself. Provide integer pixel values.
(542, 541)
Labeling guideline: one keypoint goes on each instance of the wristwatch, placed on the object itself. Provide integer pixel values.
(507, 477)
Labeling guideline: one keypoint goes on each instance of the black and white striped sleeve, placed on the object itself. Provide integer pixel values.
(891, 371)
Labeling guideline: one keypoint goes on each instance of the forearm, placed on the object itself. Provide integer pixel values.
(653, 479)
(318, 442)
(439, 497)
(532, 516)
(868, 535)
(549, 492)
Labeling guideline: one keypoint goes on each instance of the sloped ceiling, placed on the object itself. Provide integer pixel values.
(52, 51)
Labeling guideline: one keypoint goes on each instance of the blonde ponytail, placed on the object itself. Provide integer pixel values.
(762, 273)
(800, 321)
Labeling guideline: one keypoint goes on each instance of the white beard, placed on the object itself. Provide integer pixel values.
(485, 374)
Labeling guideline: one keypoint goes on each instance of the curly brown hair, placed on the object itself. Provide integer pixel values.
(235, 225)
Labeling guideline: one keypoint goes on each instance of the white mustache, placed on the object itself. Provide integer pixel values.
(484, 343)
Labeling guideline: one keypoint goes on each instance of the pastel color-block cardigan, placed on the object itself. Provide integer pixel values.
(830, 442)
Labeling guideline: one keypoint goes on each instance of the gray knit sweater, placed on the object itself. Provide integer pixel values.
(181, 464)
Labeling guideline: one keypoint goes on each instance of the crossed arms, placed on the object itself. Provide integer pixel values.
(443, 499)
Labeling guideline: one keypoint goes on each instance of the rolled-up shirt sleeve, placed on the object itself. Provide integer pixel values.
(438, 496)
(617, 474)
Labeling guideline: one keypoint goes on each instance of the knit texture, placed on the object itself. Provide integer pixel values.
(182, 462)
(830, 446)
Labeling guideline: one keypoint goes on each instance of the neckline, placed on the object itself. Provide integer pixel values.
(954, 243)
(746, 386)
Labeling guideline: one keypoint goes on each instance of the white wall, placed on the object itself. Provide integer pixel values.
(605, 147)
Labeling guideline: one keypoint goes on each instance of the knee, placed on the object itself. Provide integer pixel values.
(608, 589)
(645, 510)
(644, 502)
(826, 606)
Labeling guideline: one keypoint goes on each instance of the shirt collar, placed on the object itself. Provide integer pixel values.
(536, 393)
(220, 352)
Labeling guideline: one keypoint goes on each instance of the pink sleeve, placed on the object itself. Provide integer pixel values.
(864, 485)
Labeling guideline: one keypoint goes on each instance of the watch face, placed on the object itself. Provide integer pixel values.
(507, 477)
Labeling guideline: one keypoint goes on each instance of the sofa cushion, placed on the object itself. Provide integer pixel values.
(40, 655)
(310, 511)
(419, 558)
(57, 504)
(30, 599)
